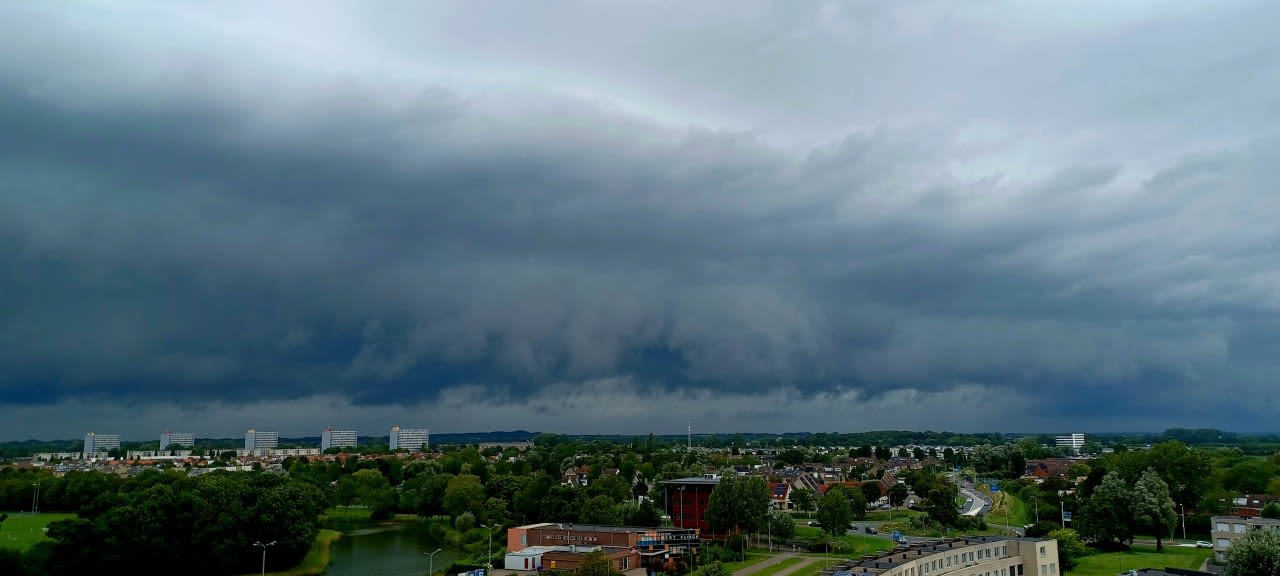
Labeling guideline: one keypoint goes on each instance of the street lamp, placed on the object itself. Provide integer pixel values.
(1184, 520)
(431, 562)
(489, 555)
(35, 499)
(264, 553)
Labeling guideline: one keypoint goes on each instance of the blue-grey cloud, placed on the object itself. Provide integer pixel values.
(869, 206)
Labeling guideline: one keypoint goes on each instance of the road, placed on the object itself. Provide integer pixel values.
(976, 503)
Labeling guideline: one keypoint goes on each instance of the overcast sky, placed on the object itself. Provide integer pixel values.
(620, 216)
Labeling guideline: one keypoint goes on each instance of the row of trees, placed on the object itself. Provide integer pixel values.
(207, 525)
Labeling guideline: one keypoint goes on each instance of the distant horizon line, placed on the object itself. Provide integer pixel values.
(644, 434)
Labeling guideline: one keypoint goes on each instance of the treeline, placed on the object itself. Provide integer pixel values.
(159, 521)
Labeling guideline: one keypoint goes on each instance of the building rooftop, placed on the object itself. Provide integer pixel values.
(599, 528)
(712, 481)
(877, 563)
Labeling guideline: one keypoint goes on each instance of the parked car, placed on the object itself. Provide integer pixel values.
(869, 530)
(814, 523)
(1203, 544)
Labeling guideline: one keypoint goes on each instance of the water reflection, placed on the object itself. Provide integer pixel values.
(389, 551)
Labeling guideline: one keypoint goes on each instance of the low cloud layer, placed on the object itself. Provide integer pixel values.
(586, 219)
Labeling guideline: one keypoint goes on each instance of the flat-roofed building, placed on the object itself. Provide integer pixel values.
(184, 439)
(257, 440)
(967, 556)
(411, 439)
(550, 545)
(1074, 441)
(331, 438)
(95, 444)
(1226, 529)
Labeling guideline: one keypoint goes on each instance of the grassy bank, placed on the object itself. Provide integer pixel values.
(22, 529)
(1112, 563)
(317, 559)
(1019, 511)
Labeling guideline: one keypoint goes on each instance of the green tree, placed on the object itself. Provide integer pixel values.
(1106, 515)
(781, 526)
(870, 491)
(898, 495)
(857, 504)
(738, 505)
(1255, 554)
(1153, 509)
(595, 564)
(803, 499)
(1070, 547)
(1271, 510)
(833, 511)
(464, 493)
(940, 503)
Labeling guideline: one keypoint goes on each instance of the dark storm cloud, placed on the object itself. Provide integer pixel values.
(191, 228)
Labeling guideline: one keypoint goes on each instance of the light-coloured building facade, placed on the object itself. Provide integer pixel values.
(184, 439)
(969, 556)
(331, 438)
(257, 440)
(411, 439)
(95, 444)
(1226, 529)
(1074, 441)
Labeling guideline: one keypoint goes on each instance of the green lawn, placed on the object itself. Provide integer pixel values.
(779, 567)
(848, 545)
(346, 514)
(1112, 563)
(753, 557)
(22, 530)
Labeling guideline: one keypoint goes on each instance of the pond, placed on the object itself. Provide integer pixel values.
(399, 550)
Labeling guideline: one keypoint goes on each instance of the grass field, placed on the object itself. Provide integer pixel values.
(345, 514)
(753, 557)
(1112, 563)
(22, 530)
(848, 545)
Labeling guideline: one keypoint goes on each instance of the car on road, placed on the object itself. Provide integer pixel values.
(869, 530)
(814, 523)
(1203, 544)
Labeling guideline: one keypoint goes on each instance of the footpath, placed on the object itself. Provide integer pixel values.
(805, 562)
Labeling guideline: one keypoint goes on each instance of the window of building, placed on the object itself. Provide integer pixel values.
(1222, 527)
(622, 564)
(1224, 542)
(1237, 528)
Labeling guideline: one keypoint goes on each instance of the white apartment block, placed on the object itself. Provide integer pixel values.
(331, 438)
(184, 439)
(411, 439)
(95, 444)
(1073, 441)
(255, 440)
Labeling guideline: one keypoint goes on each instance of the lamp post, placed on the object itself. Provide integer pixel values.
(1184, 520)
(488, 559)
(264, 553)
(35, 499)
(431, 562)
